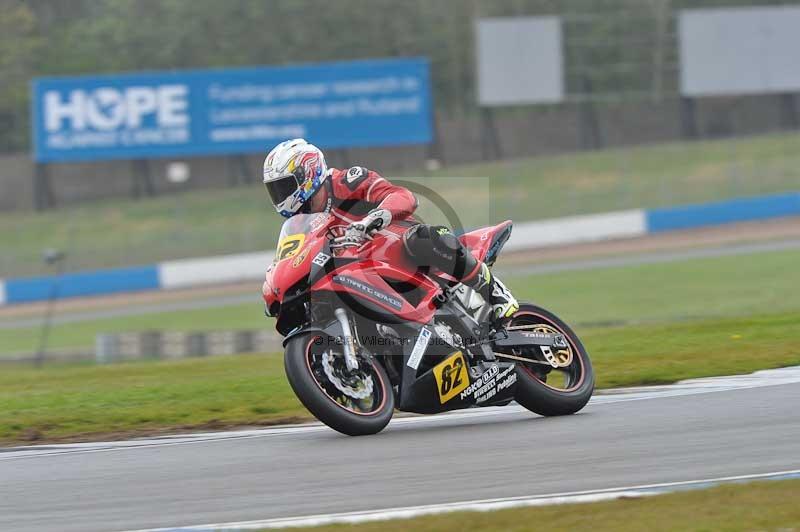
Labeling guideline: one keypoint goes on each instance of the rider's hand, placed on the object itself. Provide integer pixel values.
(375, 220)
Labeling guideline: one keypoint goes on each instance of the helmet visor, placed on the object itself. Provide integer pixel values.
(281, 188)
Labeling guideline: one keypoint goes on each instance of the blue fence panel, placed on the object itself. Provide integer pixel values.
(736, 210)
(224, 111)
(82, 284)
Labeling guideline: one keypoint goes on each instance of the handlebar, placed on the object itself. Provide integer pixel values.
(340, 242)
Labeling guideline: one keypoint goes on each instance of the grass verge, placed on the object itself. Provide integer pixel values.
(86, 402)
(752, 506)
(210, 222)
(718, 287)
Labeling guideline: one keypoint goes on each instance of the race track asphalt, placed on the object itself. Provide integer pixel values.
(618, 440)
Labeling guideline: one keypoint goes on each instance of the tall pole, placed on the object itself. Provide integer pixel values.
(56, 257)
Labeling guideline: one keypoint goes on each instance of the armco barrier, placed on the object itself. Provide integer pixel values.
(527, 235)
(723, 212)
(78, 284)
(576, 229)
(212, 270)
(118, 347)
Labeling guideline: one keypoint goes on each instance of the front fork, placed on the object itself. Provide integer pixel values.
(348, 342)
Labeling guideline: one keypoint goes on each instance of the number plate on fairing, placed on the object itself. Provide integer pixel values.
(290, 245)
(451, 376)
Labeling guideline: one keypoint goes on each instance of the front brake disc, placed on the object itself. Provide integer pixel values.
(364, 384)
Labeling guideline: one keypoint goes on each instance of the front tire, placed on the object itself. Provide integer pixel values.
(533, 391)
(302, 365)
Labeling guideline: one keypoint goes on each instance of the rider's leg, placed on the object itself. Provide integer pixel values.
(436, 246)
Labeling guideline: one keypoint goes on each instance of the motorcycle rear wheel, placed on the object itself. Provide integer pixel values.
(533, 391)
(301, 362)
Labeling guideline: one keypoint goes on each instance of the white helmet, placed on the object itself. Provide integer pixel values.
(293, 172)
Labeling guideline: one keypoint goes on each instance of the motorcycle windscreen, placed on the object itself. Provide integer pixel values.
(294, 231)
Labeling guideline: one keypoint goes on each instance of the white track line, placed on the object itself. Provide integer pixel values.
(759, 379)
(482, 505)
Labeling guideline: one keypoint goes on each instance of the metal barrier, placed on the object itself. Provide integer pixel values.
(118, 347)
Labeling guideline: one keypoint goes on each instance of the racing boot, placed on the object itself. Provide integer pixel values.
(504, 304)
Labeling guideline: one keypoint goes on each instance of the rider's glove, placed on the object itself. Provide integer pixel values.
(374, 221)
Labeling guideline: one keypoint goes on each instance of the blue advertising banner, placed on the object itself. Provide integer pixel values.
(226, 111)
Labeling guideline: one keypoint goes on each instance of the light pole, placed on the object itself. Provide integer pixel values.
(51, 257)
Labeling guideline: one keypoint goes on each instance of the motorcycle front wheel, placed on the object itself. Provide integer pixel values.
(355, 403)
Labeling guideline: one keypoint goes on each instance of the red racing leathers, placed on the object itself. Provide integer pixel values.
(355, 192)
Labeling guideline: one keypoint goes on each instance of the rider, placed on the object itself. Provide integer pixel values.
(298, 180)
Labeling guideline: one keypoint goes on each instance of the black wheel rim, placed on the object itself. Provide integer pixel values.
(561, 379)
(369, 405)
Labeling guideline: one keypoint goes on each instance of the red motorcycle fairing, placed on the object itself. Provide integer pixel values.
(375, 265)
(287, 272)
(378, 273)
(370, 280)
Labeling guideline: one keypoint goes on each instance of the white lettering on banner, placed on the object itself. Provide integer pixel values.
(173, 105)
(389, 106)
(55, 111)
(223, 134)
(141, 100)
(250, 93)
(313, 111)
(109, 108)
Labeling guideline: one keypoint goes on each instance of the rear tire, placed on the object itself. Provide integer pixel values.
(299, 351)
(532, 392)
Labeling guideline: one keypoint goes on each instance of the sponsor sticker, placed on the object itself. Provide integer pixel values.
(321, 259)
(536, 335)
(451, 376)
(354, 174)
(369, 290)
(290, 245)
(490, 383)
(419, 348)
(511, 379)
(298, 260)
(481, 385)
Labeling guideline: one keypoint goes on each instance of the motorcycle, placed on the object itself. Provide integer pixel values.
(366, 331)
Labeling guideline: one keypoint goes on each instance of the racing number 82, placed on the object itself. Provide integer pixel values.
(451, 376)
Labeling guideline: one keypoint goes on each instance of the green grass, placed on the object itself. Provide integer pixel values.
(698, 288)
(647, 176)
(665, 353)
(208, 222)
(58, 402)
(733, 507)
(81, 402)
(702, 288)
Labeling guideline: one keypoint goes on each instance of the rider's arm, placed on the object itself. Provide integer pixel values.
(396, 199)
(369, 186)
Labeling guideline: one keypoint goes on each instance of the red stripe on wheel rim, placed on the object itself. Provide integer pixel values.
(377, 373)
(575, 352)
